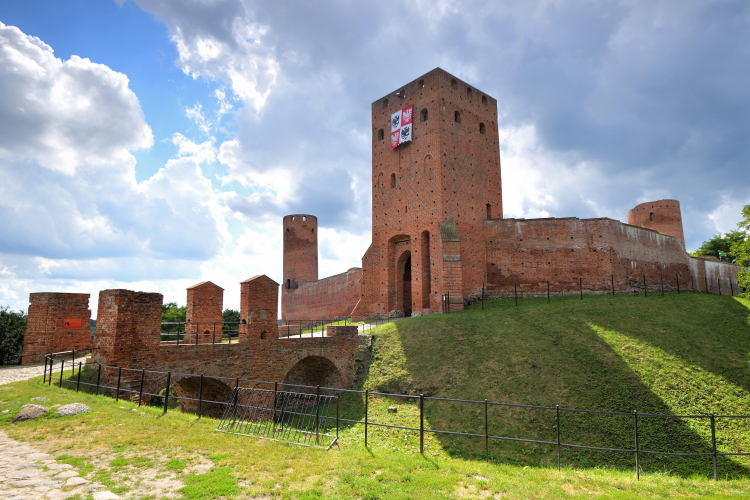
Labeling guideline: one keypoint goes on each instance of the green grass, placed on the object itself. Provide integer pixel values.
(672, 354)
(676, 354)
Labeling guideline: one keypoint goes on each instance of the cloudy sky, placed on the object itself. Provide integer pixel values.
(151, 145)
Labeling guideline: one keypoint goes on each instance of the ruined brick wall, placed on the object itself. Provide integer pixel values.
(450, 169)
(56, 322)
(714, 276)
(329, 298)
(530, 253)
(129, 336)
(662, 215)
(205, 303)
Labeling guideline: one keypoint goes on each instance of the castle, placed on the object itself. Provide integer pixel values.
(438, 232)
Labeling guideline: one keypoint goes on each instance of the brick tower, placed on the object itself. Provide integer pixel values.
(430, 197)
(300, 252)
(663, 216)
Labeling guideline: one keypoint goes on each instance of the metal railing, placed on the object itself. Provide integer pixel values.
(200, 332)
(137, 383)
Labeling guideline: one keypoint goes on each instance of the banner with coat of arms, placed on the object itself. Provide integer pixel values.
(401, 126)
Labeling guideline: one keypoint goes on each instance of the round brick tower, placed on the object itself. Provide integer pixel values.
(663, 216)
(300, 250)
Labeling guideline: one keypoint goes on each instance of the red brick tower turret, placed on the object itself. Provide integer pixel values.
(300, 252)
(663, 216)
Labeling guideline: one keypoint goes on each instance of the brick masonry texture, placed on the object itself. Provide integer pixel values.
(205, 303)
(329, 298)
(663, 216)
(128, 335)
(45, 331)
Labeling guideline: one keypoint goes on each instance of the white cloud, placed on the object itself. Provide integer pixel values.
(196, 114)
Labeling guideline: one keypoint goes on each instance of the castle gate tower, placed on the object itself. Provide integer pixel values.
(663, 216)
(449, 169)
(300, 252)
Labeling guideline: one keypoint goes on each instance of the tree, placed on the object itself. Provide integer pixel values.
(741, 252)
(230, 316)
(712, 247)
(170, 312)
(12, 330)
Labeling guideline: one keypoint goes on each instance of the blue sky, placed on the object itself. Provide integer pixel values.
(150, 145)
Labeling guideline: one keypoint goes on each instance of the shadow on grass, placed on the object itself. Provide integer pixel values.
(546, 354)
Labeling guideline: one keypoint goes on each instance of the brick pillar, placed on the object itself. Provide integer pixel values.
(259, 299)
(127, 322)
(56, 322)
(205, 303)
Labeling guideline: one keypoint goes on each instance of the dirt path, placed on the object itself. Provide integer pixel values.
(23, 372)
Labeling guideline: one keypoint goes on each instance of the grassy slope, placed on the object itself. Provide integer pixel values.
(677, 354)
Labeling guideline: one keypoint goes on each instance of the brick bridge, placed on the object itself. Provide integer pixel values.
(128, 335)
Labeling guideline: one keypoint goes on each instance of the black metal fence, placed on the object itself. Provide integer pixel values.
(200, 332)
(145, 386)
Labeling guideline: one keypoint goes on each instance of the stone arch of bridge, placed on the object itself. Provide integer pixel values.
(312, 371)
(215, 392)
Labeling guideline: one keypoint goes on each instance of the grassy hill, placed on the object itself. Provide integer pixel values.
(673, 354)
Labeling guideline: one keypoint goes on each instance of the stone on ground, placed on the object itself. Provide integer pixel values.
(30, 412)
(46, 400)
(73, 409)
(66, 474)
(75, 481)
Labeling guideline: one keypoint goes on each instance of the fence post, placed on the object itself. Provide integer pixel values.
(580, 285)
(317, 415)
(421, 424)
(140, 392)
(62, 367)
(645, 287)
(557, 411)
(705, 277)
(337, 415)
(200, 397)
(713, 445)
(678, 283)
(367, 399)
(98, 378)
(448, 303)
(74, 359)
(486, 433)
(166, 396)
(44, 380)
(613, 285)
(51, 365)
(78, 383)
(718, 280)
(635, 434)
(119, 375)
(731, 288)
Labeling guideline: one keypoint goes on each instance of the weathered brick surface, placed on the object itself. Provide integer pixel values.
(662, 215)
(46, 332)
(205, 303)
(714, 276)
(329, 298)
(450, 169)
(530, 253)
(128, 335)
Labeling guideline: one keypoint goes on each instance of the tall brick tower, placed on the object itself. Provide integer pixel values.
(663, 215)
(430, 197)
(300, 252)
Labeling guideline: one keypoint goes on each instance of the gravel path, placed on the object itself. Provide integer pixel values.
(23, 372)
(23, 475)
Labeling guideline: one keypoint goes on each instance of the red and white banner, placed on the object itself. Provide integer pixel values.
(401, 126)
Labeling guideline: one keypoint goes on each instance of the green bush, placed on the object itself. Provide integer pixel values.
(12, 330)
